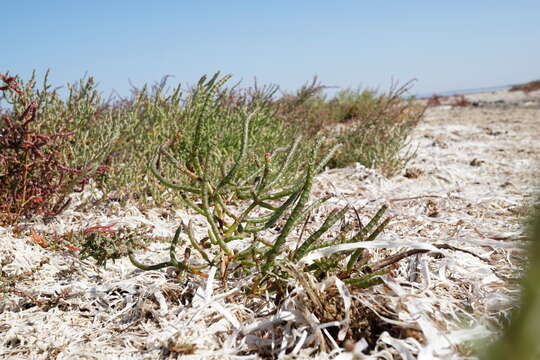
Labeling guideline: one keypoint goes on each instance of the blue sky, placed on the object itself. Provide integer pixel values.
(446, 45)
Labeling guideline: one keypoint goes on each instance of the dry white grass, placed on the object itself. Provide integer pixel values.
(472, 176)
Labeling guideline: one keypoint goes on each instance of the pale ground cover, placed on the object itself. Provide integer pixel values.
(463, 198)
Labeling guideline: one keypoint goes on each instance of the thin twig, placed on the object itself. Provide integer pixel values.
(414, 198)
(400, 256)
(302, 232)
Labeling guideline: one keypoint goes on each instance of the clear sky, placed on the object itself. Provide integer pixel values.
(446, 45)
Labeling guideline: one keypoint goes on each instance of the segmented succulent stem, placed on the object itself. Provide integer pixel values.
(366, 280)
(334, 216)
(172, 261)
(364, 231)
(167, 182)
(271, 255)
(194, 243)
(230, 175)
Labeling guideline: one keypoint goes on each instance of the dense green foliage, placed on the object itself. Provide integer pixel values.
(123, 133)
(211, 178)
(520, 339)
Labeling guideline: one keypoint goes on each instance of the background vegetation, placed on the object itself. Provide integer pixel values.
(527, 87)
(120, 135)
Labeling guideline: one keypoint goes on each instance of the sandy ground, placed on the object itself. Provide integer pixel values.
(475, 173)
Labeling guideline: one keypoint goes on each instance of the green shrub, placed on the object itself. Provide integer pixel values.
(373, 128)
(219, 175)
(123, 133)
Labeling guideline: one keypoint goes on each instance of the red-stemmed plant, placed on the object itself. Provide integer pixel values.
(33, 180)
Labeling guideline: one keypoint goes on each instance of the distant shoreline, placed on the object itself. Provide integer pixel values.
(464, 91)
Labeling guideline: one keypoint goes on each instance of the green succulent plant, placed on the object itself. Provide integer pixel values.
(213, 187)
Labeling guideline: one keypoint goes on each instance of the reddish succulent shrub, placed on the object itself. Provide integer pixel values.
(461, 101)
(33, 180)
(527, 87)
(434, 100)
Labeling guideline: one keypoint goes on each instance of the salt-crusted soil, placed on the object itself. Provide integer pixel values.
(462, 199)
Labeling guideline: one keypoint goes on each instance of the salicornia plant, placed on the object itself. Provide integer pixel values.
(240, 200)
(34, 176)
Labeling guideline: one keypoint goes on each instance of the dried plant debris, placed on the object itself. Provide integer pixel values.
(453, 253)
(412, 173)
